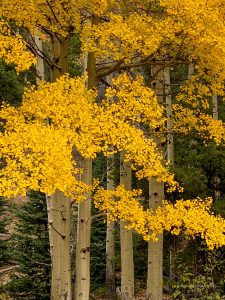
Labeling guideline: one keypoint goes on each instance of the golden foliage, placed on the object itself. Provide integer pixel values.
(13, 49)
(187, 120)
(58, 118)
(190, 217)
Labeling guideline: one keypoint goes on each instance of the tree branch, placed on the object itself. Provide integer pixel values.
(112, 69)
(97, 216)
(55, 17)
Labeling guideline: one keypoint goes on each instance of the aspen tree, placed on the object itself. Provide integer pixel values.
(110, 236)
(156, 196)
(191, 70)
(84, 208)
(54, 239)
(215, 107)
(126, 239)
(110, 231)
(216, 179)
(169, 112)
(58, 205)
(170, 149)
(40, 62)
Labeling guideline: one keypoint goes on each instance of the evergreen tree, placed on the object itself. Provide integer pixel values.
(31, 251)
(98, 255)
(3, 243)
(11, 88)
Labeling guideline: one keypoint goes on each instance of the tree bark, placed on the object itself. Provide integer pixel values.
(59, 53)
(155, 249)
(110, 238)
(59, 206)
(216, 179)
(156, 196)
(170, 155)
(170, 143)
(40, 62)
(59, 234)
(82, 285)
(126, 241)
(215, 107)
(83, 239)
(110, 231)
(191, 70)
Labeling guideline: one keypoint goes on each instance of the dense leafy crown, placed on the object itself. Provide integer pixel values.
(41, 135)
(41, 138)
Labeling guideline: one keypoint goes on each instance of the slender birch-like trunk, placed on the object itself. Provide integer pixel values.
(216, 179)
(59, 206)
(170, 154)
(169, 123)
(215, 107)
(191, 70)
(82, 286)
(110, 232)
(40, 62)
(110, 238)
(59, 234)
(156, 196)
(59, 54)
(126, 241)
(155, 249)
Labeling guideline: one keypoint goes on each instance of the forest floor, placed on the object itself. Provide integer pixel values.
(139, 296)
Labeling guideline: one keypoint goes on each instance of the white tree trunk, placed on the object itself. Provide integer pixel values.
(110, 238)
(170, 153)
(155, 249)
(110, 261)
(156, 195)
(40, 62)
(82, 282)
(215, 107)
(126, 241)
(191, 70)
(83, 239)
(216, 179)
(170, 143)
(59, 206)
(59, 233)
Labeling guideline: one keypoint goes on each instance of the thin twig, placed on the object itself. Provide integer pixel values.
(53, 12)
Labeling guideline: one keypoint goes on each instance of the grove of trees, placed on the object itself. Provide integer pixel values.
(112, 134)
